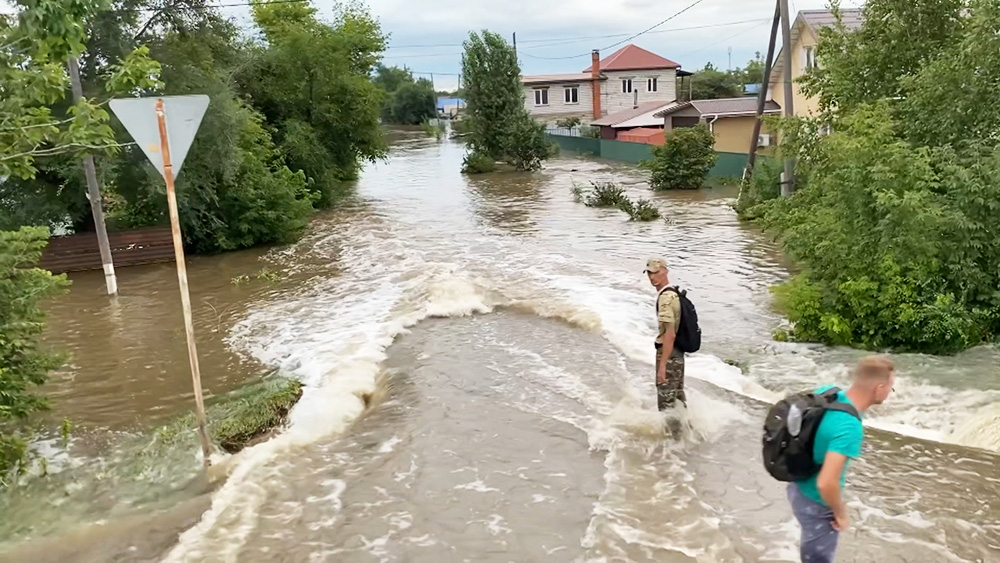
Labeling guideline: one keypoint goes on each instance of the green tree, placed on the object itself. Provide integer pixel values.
(390, 78)
(312, 81)
(499, 126)
(710, 83)
(884, 242)
(951, 100)
(407, 101)
(413, 103)
(754, 71)
(42, 132)
(896, 40)
(683, 161)
(23, 364)
(235, 190)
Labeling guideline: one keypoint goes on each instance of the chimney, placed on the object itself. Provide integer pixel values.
(595, 74)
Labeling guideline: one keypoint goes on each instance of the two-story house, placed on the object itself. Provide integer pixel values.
(622, 81)
(804, 39)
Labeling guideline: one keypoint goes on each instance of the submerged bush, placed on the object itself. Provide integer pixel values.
(683, 161)
(640, 210)
(604, 194)
(478, 163)
(610, 194)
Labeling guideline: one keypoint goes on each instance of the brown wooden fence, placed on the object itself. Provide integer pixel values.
(73, 253)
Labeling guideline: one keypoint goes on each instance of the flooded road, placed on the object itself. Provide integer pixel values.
(501, 334)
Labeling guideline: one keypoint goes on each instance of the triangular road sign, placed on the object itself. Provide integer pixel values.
(183, 116)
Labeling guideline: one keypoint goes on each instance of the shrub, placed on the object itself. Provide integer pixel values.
(568, 123)
(478, 163)
(898, 242)
(435, 129)
(639, 210)
(24, 365)
(590, 132)
(764, 185)
(683, 161)
(604, 194)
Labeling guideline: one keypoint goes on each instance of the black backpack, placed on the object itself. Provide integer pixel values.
(688, 332)
(790, 433)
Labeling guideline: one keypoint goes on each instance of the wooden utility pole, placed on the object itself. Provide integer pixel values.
(94, 192)
(515, 44)
(762, 95)
(175, 228)
(788, 178)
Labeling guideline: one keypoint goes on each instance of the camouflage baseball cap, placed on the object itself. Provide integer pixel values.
(654, 265)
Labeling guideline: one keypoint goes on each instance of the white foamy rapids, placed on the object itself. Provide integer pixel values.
(334, 338)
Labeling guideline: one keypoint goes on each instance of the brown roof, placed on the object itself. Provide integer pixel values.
(556, 78)
(631, 57)
(623, 116)
(723, 106)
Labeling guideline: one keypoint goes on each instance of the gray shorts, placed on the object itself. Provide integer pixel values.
(819, 540)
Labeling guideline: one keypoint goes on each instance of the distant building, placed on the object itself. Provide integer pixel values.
(450, 107)
(629, 77)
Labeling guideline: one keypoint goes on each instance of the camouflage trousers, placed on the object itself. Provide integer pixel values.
(671, 391)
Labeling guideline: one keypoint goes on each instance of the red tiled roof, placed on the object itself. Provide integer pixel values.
(631, 57)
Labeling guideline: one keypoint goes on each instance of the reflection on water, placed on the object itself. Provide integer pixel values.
(517, 420)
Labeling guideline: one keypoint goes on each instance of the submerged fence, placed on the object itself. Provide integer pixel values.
(729, 165)
(80, 252)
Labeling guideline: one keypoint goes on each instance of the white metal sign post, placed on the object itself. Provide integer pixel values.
(147, 120)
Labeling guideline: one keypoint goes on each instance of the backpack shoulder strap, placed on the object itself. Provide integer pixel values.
(844, 407)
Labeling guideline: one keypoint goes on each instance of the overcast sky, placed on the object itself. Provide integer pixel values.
(550, 31)
(556, 36)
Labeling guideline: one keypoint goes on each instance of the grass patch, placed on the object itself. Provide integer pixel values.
(234, 419)
(251, 412)
(433, 128)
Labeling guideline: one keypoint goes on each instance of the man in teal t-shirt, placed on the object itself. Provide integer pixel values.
(816, 502)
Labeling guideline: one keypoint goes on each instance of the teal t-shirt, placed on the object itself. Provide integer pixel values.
(838, 432)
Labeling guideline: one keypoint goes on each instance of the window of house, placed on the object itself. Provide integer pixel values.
(651, 85)
(541, 96)
(810, 58)
(627, 86)
(572, 94)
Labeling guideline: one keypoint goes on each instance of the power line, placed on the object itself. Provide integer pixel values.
(671, 30)
(631, 37)
(735, 35)
(643, 32)
(568, 40)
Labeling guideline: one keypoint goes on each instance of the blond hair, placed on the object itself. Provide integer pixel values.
(874, 369)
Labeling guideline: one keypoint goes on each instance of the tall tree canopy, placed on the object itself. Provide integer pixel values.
(500, 127)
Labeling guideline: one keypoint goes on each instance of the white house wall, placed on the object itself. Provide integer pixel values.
(557, 105)
(614, 100)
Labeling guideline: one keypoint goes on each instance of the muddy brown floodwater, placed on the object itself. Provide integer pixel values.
(501, 334)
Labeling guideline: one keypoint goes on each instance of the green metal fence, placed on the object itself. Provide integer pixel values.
(729, 165)
(625, 151)
(581, 145)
